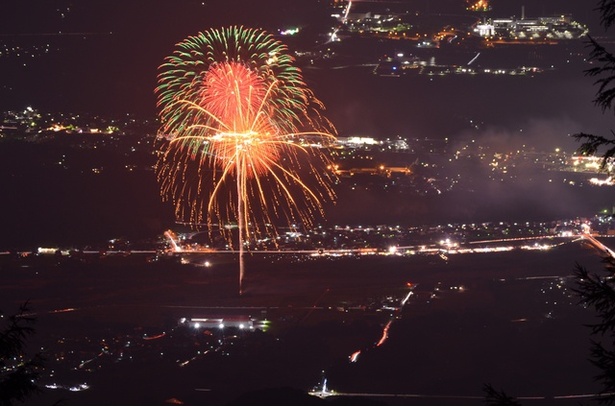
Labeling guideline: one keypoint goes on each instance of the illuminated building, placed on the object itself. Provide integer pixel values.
(558, 28)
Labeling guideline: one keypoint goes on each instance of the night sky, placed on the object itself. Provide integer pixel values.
(110, 51)
(114, 48)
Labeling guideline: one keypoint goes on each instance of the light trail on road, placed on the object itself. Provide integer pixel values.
(330, 393)
(315, 305)
(55, 311)
(385, 333)
(598, 244)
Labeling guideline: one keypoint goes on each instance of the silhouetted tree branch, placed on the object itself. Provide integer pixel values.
(494, 397)
(607, 11)
(604, 71)
(605, 74)
(598, 292)
(17, 376)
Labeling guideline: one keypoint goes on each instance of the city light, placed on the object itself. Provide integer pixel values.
(451, 208)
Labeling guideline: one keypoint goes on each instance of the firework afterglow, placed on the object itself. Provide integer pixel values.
(478, 5)
(243, 135)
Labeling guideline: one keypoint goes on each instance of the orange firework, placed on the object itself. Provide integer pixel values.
(245, 135)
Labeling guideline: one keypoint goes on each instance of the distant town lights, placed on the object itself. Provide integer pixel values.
(290, 31)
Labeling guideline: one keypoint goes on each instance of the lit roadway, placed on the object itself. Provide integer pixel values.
(441, 248)
(430, 248)
(598, 245)
(323, 393)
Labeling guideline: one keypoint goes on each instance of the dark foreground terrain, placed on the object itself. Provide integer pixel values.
(114, 324)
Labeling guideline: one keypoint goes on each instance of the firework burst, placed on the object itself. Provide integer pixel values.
(243, 135)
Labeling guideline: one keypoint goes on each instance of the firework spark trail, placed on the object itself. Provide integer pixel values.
(242, 136)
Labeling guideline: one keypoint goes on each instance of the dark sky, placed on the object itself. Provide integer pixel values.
(110, 51)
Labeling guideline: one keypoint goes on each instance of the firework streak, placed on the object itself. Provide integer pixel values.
(242, 137)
